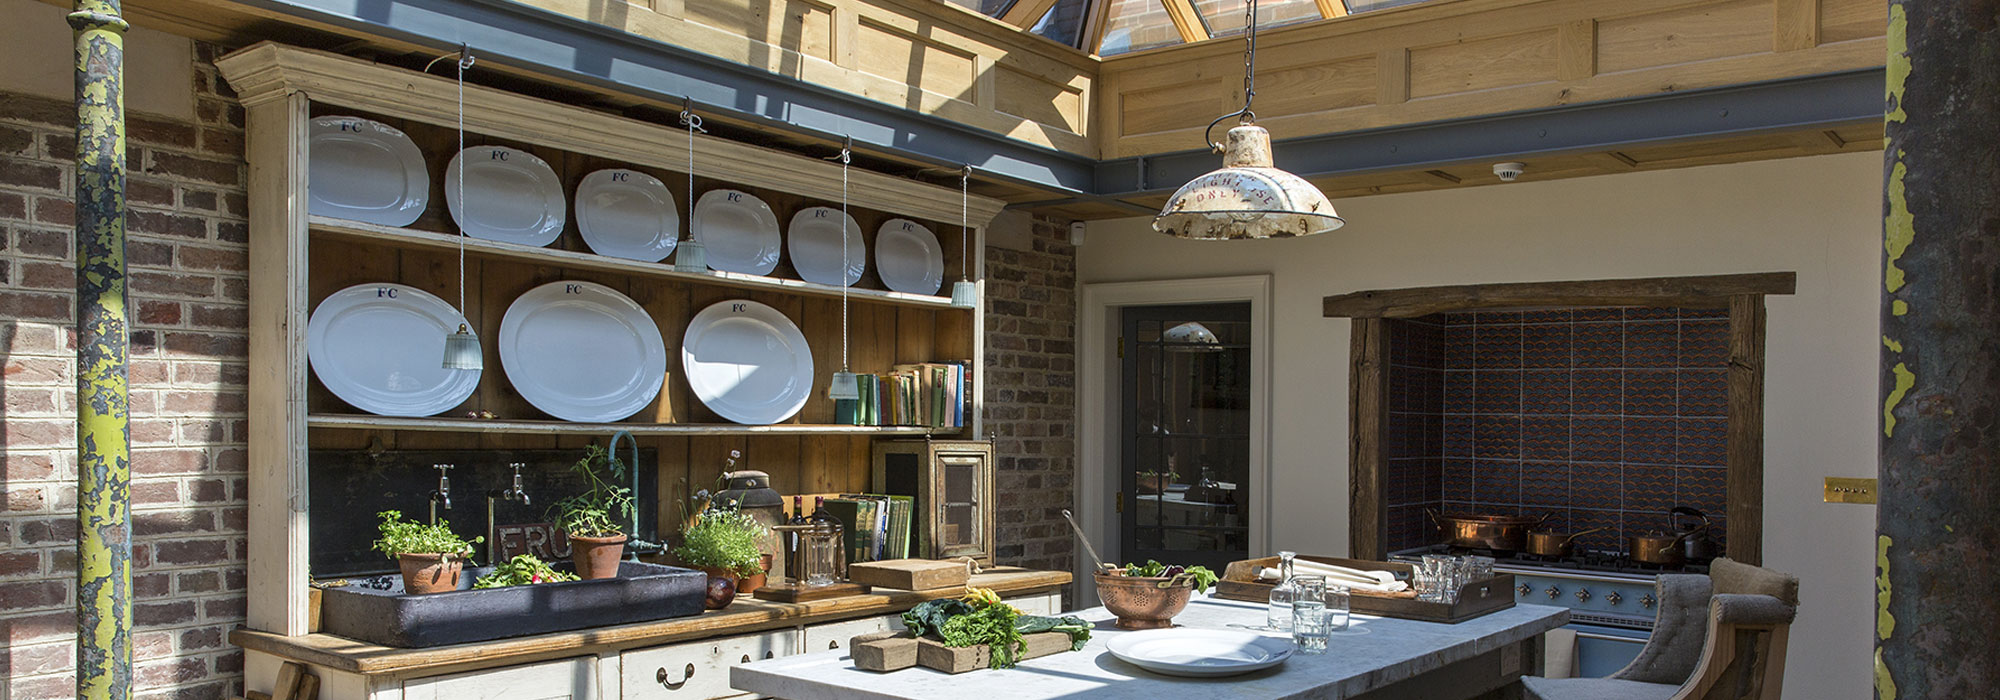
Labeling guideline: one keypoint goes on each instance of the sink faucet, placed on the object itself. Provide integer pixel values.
(511, 493)
(441, 496)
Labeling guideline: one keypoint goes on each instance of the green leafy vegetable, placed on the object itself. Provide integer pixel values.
(600, 511)
(992, 626)
(928, 618)
(1077, 629)
(1200, 576)
(401, 536)
(523, 569)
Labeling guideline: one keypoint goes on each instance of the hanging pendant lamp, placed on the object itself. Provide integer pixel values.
(689, 254)
(461, 349)
(1247, 197)
(964, 294)
(845, 386)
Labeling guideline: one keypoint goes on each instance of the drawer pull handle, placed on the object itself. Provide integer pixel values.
(746, 659)
(770, 655)
(835, 644)
(662, 678)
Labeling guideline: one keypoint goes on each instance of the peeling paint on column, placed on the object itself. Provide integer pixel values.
(1885, 623)
(104, 516)
(1904, 380)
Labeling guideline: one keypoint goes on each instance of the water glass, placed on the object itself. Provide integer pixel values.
(1432, 577)
(1336, 608)
(1310, 621)
(1480, 568)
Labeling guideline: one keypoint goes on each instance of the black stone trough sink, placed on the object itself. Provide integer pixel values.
(375, 609)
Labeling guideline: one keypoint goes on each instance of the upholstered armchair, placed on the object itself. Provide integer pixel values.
(1718, 637)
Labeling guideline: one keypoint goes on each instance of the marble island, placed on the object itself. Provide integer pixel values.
(1375, 658)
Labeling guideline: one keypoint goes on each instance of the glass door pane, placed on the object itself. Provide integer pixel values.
(1184, 495)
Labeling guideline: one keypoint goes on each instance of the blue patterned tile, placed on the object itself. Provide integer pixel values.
(1596, 439)
(1598, 392)
(1499, 317)
(1652, 344)
(1596, 485)
(1598, 345)
(1598, 314)
(1498, 346)
(1458, 435)
(1545, 437)
(1651, 392)
(1651, 313)
(1702, 489)
(1460, 318)
(1650, 440)
(1649, 489)
(1704, 343)
(1703, 312)
(1496, 437)
(1458, 479)
(1704, 392)
(1544, 483)
(1545, 346)
(1497, 484)
(1703, 442)
(1460, 347)
(1497, 391)
(1611, 538)
(1545, 391)
(1458, 391)
(1561, 316)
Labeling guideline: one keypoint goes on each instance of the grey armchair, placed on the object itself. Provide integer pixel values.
(1718, 637)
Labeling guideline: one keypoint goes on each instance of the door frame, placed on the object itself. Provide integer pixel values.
(1098, 407)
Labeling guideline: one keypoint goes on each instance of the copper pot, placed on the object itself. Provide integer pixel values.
(1657, 548)
(1143, 602)
(1555, 544)
(1505, 533)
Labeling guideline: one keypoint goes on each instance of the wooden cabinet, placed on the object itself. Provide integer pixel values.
(698, 669)
(567, 679)
(952, 482)
(834, 635)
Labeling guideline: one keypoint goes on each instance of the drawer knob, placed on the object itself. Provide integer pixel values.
(1613, 598)
(833, 644)
(663, 678)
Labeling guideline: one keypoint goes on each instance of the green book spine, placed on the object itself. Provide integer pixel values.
(848, 512)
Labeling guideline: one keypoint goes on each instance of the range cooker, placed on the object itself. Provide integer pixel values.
(1609, 596)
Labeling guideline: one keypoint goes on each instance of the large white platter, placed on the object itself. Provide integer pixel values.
(1195, 652)
(583, 352)
(747, 362)
(511, 196)
(365, 170)
(738, 231)
(814, 243)
(380, 348)
(908, 257)
(627, 214)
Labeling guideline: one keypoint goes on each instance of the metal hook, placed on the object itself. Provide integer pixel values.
(1248, 118)
(464, 54)
(846, 155)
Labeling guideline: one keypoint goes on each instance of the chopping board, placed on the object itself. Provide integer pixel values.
(910, 574)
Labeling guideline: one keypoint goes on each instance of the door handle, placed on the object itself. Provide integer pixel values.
(662, 677)
(1121, 501)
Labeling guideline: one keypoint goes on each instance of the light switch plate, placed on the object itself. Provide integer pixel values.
(1840, 489)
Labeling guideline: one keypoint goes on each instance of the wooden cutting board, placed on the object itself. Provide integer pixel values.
(910, 574)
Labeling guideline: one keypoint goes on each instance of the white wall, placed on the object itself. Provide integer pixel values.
(41, 51)
(1817, 216)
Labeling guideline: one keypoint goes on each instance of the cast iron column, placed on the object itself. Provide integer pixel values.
(103, 468)
(1939, 515)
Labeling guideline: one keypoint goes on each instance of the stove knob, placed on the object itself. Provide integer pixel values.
(1647, 601)
(1613, 598)
(1583, 595)
(1553, 592)
(1524, 589)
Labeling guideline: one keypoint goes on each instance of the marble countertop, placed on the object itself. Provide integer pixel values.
(1372, 653)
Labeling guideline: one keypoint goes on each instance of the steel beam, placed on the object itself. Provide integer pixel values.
(1939, 512)
(103, 428)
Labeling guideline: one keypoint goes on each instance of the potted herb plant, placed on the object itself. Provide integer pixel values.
(431, 556)
(594, 520)
(723, 543)
(1156, 481)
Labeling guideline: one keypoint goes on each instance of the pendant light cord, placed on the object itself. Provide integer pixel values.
(965, 223)
(846, 157)
(465, 60)
(693, 122)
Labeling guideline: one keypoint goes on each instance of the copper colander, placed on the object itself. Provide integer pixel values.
(1139, 601)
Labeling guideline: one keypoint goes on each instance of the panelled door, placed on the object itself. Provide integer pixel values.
(1184, 493)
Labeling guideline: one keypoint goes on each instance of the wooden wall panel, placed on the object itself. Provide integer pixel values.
(915, 60)
(1468, 66)
(1039, 99)
(1684, 35)
(1848, 20)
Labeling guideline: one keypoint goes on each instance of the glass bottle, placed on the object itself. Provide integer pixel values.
(1279, 616)
(826, 520)
(794, 544)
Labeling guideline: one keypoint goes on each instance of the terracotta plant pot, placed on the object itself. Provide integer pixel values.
(1139, 601)
(1153, 484)
(596, 557)
(721, 588)
(747, 585)
(430, 573)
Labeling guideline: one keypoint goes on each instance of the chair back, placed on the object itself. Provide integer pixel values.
(1749, 624)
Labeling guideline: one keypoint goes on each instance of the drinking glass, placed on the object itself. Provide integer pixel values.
(1310, 623)
(1336, 608)
(1481, 568)
(1432, 577)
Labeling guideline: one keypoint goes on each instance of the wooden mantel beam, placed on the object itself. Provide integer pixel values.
(1712, 290)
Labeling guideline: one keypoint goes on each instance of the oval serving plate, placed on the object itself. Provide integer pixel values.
(908, 257)
(583, 352)
(380, 348)
(1188, 651)
(364, 170)
(513, 196)
(814, 243)
(738, 231)
(747, 362)
(627, 214)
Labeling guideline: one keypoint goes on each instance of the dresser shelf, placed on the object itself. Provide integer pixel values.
(350, 421)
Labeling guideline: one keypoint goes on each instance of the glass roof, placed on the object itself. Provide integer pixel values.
(1136, 25)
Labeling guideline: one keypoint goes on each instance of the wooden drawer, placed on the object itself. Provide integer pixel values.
(1045, 604)
(555, 680)
(698, 670)
(834, 635)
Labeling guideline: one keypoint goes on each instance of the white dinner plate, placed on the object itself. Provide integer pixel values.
(581, 351)
(747, 362)
(815, 246)
(738, 231)
(627, 214)
(1188, 651)
(380, 348)
(908, 257)
(511, 196)
(365, 170)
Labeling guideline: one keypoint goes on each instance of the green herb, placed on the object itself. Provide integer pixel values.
(523, 569)
(1176, 575)
(1077, 629)
(993, 626)
(603, 509)
(723, 538)
(928, 618)
(401, 536)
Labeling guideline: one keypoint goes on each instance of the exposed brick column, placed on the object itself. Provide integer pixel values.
(1031, 393)
(188, 290)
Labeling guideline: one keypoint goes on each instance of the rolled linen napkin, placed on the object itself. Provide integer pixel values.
(1342, 576)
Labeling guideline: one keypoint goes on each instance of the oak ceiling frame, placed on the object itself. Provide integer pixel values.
(1187, 20)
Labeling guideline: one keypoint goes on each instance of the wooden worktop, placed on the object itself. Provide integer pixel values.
(743, 616)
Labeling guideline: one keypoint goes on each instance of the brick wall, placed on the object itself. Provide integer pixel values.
(188, 287)
(1031, 394)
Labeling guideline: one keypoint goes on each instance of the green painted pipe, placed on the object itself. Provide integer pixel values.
(103, 449)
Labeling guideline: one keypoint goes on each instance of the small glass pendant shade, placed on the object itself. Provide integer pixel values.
(964, 294)
(844, 387)
(690, 256)
(1247, 197)
(461, 350)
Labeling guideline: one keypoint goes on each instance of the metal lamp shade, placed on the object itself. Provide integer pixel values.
(964, 294)
(1191, 337)
(690, 256)
(461, 350)
(845, 386)
(1247, 198)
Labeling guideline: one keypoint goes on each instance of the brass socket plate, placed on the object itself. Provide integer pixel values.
(1841, 489)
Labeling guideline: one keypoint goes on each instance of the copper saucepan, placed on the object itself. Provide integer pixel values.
(1506, 533)
(1555, 544)
(1657, 548)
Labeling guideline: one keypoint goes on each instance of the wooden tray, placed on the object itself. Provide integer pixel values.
(1239, 582)
(790, 593)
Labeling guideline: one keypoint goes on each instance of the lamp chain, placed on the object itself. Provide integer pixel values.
(965, 222)
(846, 157)
(693, 122)
(1249, 59)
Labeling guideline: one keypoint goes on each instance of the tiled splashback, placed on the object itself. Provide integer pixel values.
(1604, 417)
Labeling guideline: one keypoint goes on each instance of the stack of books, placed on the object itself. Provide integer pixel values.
(930, 394)
(877, 527)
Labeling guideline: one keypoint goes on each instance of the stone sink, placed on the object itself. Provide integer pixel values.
(375, 609)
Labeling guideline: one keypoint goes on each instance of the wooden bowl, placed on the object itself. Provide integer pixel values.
(1143, 602)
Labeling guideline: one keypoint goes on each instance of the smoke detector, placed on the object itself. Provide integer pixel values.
(1509, 171)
